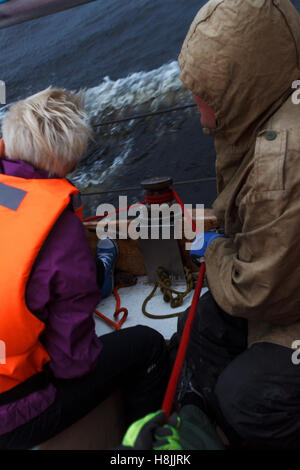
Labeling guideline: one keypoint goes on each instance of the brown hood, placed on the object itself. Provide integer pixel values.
(241, 57)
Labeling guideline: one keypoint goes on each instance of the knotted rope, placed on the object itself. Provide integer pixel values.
(172, 296)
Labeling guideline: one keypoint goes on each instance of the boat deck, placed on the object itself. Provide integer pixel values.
(132, 298)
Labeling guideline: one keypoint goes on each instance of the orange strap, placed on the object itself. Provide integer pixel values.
(118, 310)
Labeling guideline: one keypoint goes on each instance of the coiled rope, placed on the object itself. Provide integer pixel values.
(117, 312)
(164, 283)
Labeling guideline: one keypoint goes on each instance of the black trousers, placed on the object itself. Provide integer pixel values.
(253, 394)
(134, 359)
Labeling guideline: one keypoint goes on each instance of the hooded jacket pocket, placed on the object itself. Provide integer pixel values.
(267, 197)
(269, 160)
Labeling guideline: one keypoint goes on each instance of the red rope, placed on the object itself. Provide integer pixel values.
(99, 217)
(159, 198)
(151, 199)
(184, 211)
(156, 199)
(118, 310)
(172, 385)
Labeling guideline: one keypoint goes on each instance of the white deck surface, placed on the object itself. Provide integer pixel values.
(132, 298)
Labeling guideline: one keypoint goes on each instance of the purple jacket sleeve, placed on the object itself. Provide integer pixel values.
(63, 292)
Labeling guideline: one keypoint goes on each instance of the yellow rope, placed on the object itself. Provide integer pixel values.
(165, 283)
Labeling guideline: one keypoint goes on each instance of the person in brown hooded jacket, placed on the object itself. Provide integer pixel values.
(242, 58)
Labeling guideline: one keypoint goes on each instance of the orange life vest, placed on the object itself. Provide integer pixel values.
(29, 209)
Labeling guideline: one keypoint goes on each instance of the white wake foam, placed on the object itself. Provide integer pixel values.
(151, 89)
